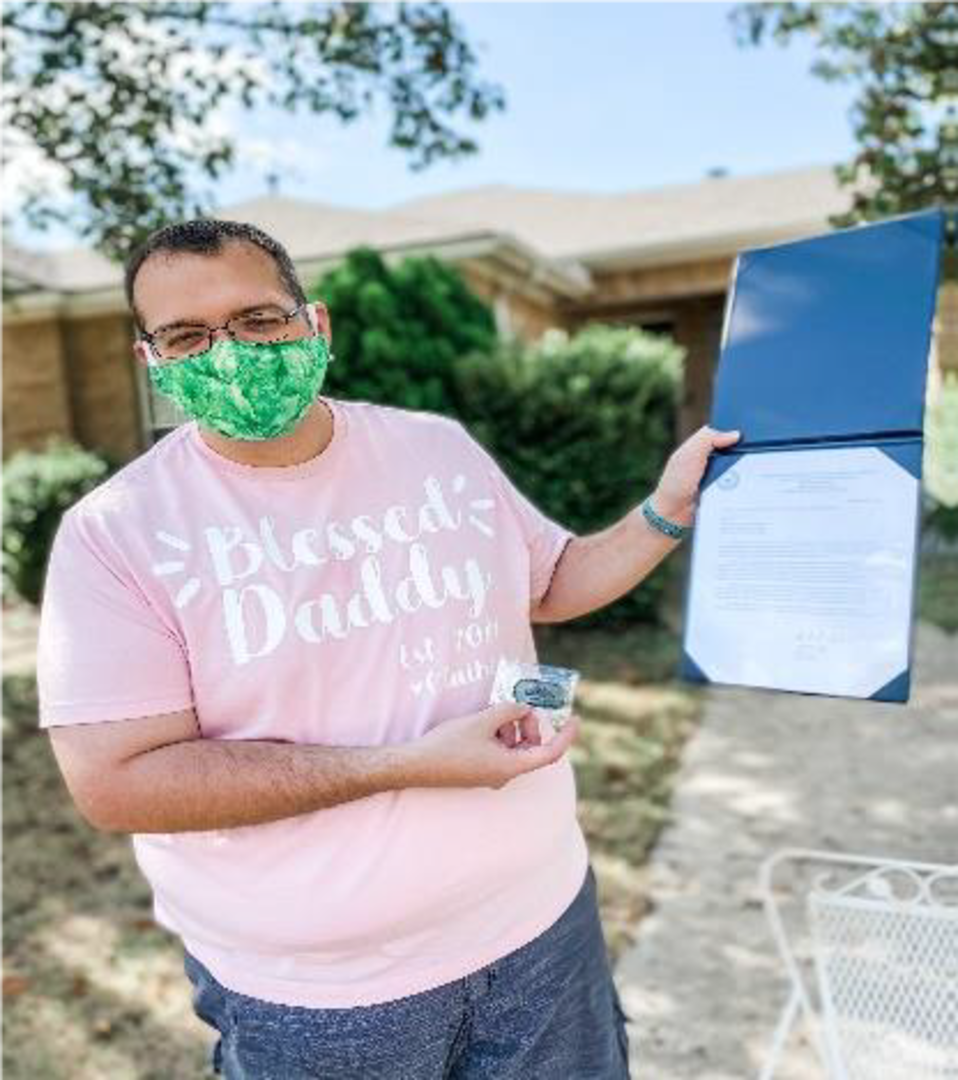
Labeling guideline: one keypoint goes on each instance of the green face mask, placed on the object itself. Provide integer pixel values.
(245, 389)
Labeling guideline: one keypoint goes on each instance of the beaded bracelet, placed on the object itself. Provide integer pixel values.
(669, 528)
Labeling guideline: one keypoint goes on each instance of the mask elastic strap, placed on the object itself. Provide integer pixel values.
(314, 323)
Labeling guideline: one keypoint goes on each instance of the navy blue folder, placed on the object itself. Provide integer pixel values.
(825, 342)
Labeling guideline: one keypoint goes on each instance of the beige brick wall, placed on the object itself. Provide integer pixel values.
(946, 341)
(528, 317)
(36, 402)
(72, 377)
(698, 328)
(76, 376)
(658, 284)
(100, 367)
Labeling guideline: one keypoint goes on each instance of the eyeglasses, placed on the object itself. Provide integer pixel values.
(265, 324)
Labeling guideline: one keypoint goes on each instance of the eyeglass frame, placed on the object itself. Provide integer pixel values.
(211, 330)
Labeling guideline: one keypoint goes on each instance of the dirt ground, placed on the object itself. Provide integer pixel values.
(93, 988)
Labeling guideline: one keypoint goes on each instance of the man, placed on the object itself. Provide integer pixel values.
(266, 651)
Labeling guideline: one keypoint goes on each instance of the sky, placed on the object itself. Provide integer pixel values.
(600, 97)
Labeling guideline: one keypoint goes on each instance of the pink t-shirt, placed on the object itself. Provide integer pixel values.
(356, 599)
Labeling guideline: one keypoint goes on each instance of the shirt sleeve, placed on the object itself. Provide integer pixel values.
(545, 538)
(103, 652)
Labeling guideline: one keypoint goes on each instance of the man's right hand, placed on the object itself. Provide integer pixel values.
(483, 749)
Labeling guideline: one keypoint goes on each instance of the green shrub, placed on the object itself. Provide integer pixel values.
(939, 520)
(583, 426)
(38, 486)
(398, 330)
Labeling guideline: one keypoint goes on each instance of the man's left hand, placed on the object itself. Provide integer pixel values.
(676, 495)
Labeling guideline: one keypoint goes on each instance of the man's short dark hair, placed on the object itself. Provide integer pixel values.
(207, 236)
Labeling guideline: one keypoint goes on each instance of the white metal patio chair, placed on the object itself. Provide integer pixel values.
(870, 947)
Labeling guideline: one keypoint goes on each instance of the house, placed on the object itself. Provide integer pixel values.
(658, 258)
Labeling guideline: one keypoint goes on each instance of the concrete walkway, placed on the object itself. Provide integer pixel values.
(768, 770)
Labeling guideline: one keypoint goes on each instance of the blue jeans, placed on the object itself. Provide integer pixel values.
(548, 1010)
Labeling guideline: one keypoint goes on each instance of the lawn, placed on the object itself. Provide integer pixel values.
(636, 719)
(93, 988)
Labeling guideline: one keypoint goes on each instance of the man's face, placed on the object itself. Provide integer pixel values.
(181, 286)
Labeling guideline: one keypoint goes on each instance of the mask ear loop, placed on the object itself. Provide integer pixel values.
(314, 323)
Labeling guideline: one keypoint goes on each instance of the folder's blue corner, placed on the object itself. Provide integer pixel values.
(907, 454)
(895, 690)
(690, 671)
(717, 464)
